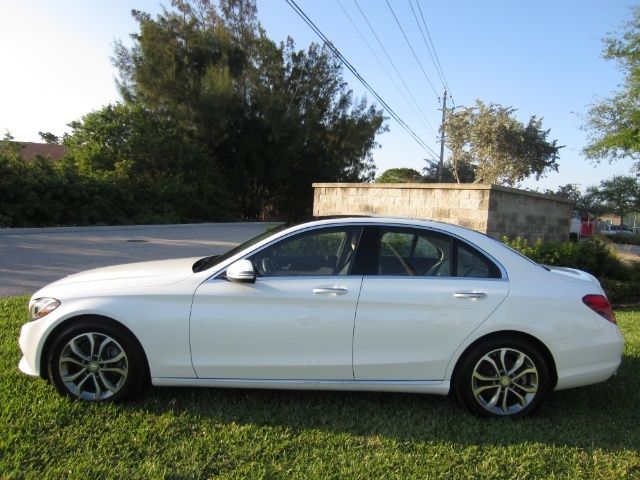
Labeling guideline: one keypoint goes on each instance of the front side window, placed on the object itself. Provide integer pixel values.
(324, 252)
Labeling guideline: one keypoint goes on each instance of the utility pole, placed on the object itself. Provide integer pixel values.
(444, 109)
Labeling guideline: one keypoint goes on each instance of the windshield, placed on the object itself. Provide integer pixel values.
(209, 262)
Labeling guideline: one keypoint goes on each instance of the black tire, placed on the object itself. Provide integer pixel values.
(503, 377)
(96, 360)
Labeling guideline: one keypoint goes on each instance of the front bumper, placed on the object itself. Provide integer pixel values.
(31, 344)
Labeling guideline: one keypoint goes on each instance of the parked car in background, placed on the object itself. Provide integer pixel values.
(378, 304)
(616, 229)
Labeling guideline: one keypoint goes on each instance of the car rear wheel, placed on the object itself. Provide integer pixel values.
(503, 378)
(92, 361)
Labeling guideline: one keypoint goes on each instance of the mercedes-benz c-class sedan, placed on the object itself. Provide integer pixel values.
(361, 303)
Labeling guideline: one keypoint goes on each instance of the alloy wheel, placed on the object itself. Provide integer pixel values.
(93, 366)
(504, 381)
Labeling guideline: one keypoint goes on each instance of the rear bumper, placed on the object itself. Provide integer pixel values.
(585, 361)
(586, 375)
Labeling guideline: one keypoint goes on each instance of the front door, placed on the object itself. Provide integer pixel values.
(294, 323)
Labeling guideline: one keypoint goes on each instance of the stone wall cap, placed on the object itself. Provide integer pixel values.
(446, 186)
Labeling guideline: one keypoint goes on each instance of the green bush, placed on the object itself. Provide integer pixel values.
(620, 282)
(621, 292)
(625, 239)
(590, 255)
(102, 181)
(39, 194)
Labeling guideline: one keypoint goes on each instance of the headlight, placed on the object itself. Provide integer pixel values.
(40, 307)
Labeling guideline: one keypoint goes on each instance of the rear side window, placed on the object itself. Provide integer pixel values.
(407, 252)
(417, 252)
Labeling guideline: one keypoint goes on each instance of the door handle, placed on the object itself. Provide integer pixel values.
(469, 294)
(331, 290)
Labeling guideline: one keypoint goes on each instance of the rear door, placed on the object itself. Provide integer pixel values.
(426, 293)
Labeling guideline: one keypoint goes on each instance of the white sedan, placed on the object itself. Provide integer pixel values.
(345, 304)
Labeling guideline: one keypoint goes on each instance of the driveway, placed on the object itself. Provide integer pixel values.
(33, 257)
(628, 253)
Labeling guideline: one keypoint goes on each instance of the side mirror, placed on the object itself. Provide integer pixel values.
(241, 271)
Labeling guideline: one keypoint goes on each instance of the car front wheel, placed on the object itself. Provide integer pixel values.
(95, 362)
(503, 378)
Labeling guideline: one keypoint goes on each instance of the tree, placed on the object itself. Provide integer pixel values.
(9, 148)
(614, 123)
(497, 146)
(466, 172)
(585, 204)
(165, 174)
(619, 194)
(589, 203)
(400, 175)
(270, 119)
(49, 137)
(569, 191)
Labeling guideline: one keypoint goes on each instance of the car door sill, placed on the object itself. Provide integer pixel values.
(439, 387)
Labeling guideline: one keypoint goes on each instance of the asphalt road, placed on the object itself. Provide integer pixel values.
(32, 258)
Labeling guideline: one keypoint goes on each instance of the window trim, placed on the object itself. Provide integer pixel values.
(368, 227)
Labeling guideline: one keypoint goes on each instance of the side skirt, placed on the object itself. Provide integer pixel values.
(435, 387)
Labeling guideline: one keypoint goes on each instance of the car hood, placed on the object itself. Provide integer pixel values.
(141, 274)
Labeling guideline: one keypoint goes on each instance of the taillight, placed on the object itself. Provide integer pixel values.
(600, 305)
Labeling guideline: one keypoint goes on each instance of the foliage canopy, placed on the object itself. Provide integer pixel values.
(400, 175)
(614, 123)
(217, 122)
(619, 194)
(487, 140)
(269, 119)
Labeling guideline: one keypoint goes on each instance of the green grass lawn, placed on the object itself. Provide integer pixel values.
(592, 432)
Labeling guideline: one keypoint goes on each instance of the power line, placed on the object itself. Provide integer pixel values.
(424, 39)
(375, 55)
(355, 72)
(434, 49)
(393, 64)
(411, 48)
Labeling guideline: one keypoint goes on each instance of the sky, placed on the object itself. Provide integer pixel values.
(542, 58)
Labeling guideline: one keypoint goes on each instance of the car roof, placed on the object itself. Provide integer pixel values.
(481, 239)
(409, 221)
(369, 219)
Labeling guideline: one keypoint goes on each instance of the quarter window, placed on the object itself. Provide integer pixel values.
(473, 264)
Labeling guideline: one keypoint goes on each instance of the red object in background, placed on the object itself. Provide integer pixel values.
(587, 228)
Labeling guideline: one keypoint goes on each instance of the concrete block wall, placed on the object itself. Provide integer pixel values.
(489, 209)
(529, 215)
